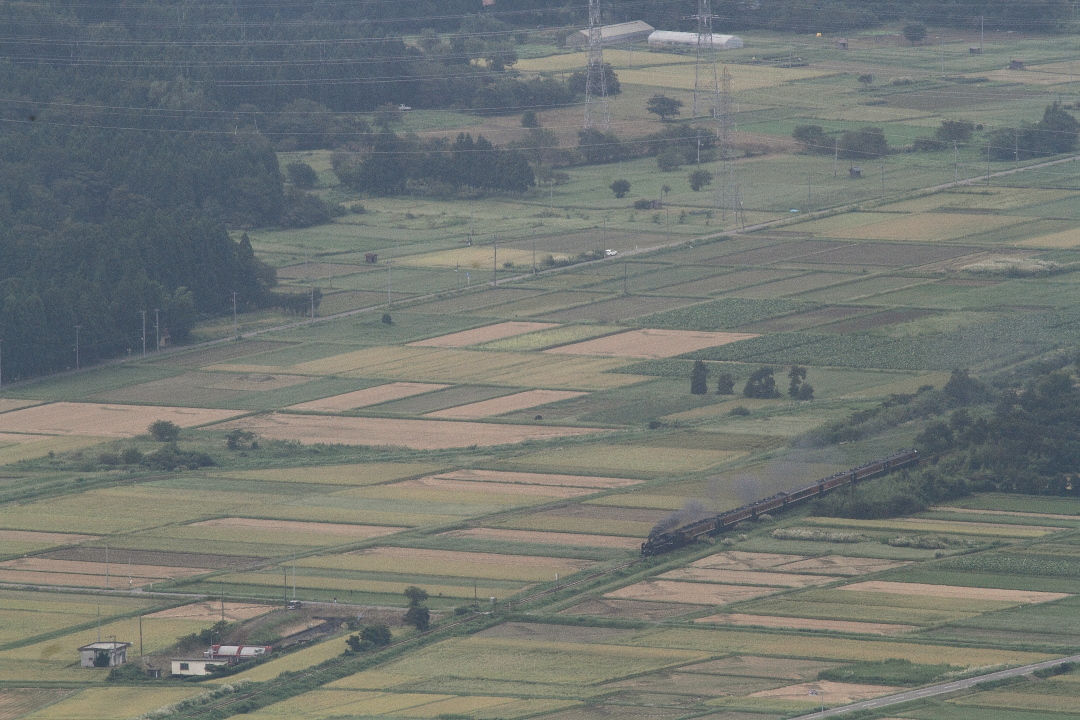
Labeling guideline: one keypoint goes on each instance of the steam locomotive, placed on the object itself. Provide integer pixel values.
(662, 542)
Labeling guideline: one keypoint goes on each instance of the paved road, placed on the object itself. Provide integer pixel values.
(933, 690)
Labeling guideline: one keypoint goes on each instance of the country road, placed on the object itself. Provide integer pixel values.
(932, 690)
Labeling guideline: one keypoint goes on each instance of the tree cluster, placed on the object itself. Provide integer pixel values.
(393, 164)
(417, 615)
(1056, 133)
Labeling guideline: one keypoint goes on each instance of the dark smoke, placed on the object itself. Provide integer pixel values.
(692, 511)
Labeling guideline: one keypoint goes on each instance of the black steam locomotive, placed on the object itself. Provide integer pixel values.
(662, 542)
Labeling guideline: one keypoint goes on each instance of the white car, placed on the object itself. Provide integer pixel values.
(611, 253)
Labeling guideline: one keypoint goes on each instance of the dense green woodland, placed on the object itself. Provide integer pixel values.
(1012, 435)
(97, 225)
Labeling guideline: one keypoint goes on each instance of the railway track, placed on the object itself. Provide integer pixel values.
(272, 685)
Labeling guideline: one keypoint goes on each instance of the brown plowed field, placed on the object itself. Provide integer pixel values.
(841, 565)
(634, 609)
(367, 396)
(829, 693)
(211, 610)
(484, 334)
(505, 404)
(94, 420)
(528, 478)
(746, 577)
(44, 537)
(650, 343)
(808, 624)
(32, 577)
(418, 434)
(360, 531)
(685, 592)
(739, 560)
(547, 538)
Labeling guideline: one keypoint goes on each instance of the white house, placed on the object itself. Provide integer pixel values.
(670, 37)
(95, 654)
(194, 666)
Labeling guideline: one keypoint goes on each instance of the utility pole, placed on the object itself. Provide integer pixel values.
(495, 263)
(77, 367)
(809, 207)
(389, 301)
(956, 162)
(883, 178)
(157, 331)
(143, 313)
(235, 332)
(1, 363)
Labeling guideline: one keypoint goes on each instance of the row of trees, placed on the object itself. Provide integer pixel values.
(761, 384)
(1055, 133)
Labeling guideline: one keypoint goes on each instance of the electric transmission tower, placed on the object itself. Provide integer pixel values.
(704, 60)
(595, 77)
(727, 190)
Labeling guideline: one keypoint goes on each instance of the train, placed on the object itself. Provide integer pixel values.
(662, 542)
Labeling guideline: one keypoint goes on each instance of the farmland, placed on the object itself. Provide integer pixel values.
(485, 443)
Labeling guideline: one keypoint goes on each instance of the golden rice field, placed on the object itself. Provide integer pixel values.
(537, 661)
(37, 446)
(114, 702)
(737, 641)
(447, 496)
(938, 227)
(992, 198)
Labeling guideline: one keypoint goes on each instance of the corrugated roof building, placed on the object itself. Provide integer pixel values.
(612, 34)
(670, 37)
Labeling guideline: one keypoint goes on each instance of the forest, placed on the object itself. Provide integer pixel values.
(1007, 435)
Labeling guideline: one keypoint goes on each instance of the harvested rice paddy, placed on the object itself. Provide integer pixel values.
(650, 343)
(95, 420)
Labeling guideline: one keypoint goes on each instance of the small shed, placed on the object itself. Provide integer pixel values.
(194, 667)
(613, 34)
(670, 37)
(371, 258)
(103, 654)
(1016, 64)
(854, 171)
(974, 50)
(842, 44)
